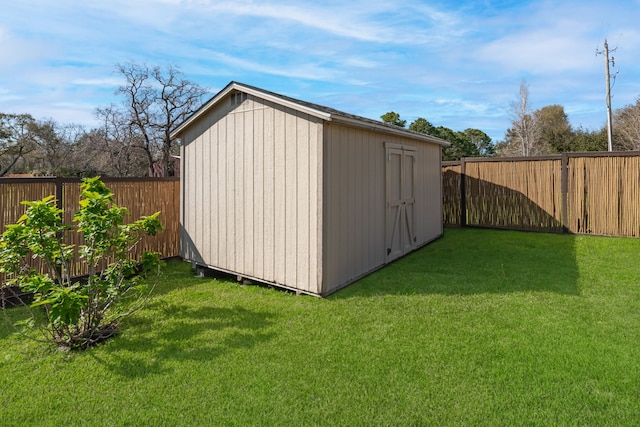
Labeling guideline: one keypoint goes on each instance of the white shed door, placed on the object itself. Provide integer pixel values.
(401, 233)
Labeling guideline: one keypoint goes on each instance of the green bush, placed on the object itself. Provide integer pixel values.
(79, 313)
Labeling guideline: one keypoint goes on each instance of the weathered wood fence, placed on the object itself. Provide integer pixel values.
(141, 196)
(585, 193)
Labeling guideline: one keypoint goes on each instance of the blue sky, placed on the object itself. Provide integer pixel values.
(458, 64)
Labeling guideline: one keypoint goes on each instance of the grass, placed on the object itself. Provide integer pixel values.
(478, 328)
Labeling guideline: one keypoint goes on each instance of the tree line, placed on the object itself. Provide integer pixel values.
(532, 132)
(132, 140)
(134, 136)
(466, 143)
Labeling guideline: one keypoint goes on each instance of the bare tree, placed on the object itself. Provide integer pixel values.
(524, 129)
(627, 127)
(122, 150)
(178, 99)
(76, 162)
(14, 141)
(155, 100)
(45, 147)
(54, 144)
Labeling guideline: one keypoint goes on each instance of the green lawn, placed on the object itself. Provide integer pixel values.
(478, 328)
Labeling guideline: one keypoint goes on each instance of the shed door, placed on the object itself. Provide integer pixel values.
(401, 233)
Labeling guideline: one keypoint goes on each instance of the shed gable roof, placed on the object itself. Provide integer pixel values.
(322, 112)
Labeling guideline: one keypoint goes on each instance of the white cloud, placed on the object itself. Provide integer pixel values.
(101, 81)
(540, 51)
(6, 96)
(372, 21)
(16, 50)
(304, 71)
(463, 106)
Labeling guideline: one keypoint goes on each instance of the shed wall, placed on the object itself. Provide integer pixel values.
(355, 201)
(429, 184)
(252, 191)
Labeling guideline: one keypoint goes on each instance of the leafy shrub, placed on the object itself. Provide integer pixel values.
(79, 313)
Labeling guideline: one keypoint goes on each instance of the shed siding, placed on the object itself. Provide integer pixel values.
(251, 193)
(355, 201)
(429, 181)
(354, 204)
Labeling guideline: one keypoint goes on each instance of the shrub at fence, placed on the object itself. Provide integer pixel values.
(141, 196)
(79, 313)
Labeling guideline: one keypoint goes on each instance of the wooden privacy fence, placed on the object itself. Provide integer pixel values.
(586, 193)
(141, 196)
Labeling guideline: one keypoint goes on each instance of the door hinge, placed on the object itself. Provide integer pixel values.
(388, 251)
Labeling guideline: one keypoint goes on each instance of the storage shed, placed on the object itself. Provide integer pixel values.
(302, 196)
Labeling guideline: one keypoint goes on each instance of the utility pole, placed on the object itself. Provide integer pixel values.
(608, 83)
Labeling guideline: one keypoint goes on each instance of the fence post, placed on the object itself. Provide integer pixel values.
(564, 189)
(463, 193)
(59, 203)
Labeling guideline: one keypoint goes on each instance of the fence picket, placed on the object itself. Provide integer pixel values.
(141, 196)
(585, 193)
